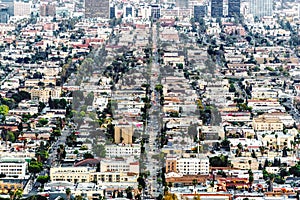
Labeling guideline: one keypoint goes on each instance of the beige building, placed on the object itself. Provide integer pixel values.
(187, 166)
(279, 140)
(264, 123)
(173, 58)
(245, 163)
(44, 93)
(86, 174)
(71, 174)
(123, 134)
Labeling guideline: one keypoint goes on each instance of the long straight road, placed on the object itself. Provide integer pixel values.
(154, 123)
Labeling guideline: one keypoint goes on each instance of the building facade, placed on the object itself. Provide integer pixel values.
(234, 7)
(200, 11)
(187, 166)
(13, 167)
(217, 8)
(261, 8)
(4, 16)
(22, 8)
(96, 8)
(265, 123)
(155, 12)
(47, 10)
(122, 150)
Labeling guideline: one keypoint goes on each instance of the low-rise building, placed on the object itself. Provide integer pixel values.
(265, 123)
(187, 166)
(122, 150)
(13, 167)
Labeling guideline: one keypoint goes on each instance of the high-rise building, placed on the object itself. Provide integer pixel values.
(97, 8)
(22, 8)
(47, 10)
(10, 4)
(217, 8)
(112, 12)
(200, 11)
(128, 11)
(4, 16)
(155, 12)
(182, 3)
(261, 8)
(234, 8)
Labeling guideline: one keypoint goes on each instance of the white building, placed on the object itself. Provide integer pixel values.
(119, 165)
(22, 8)
(192, 166)
(261, 8)
(122, 150)
(13, 167)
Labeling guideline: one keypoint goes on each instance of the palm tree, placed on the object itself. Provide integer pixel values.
(249, 161)
(271, 180)
(68, 193)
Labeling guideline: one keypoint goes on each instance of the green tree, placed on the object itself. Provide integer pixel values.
(43, 180)
(43, 121)
(88, 155)
(68, 193)
(35, 167)
(4, 110)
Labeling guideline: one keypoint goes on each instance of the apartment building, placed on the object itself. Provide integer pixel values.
(278, 140)
(264, 123)
(264, 93)
(187, 166)
(123, 134)
(22, 8)
(13, 167)
(71, 174)
(122, 150)
(86, 174)
(43, 94)
(119, 165)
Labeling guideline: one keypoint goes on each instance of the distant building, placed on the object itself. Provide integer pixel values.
(182, 3)
(22, 8)
(261, 8)
(266, 123)
(155, 12)
(47, 10)
(96, 8)
(10, 4)
(123, 134)
(112, 12)
(217, 8)
(187, 166)
(128, 11)
(4, 16)
(200, 11)
(122, 150)
(13, 167)
(234, 7)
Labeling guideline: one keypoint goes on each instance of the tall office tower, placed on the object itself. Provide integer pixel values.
(128, 11)
(261, 8)
(22, 8)
(112, 12)
(182, 3)
(217, 8)
(47, 10)
(155, 12)
(234, 8)
(10, 4)
(4, 16)
(97, 8)
(200, 11)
